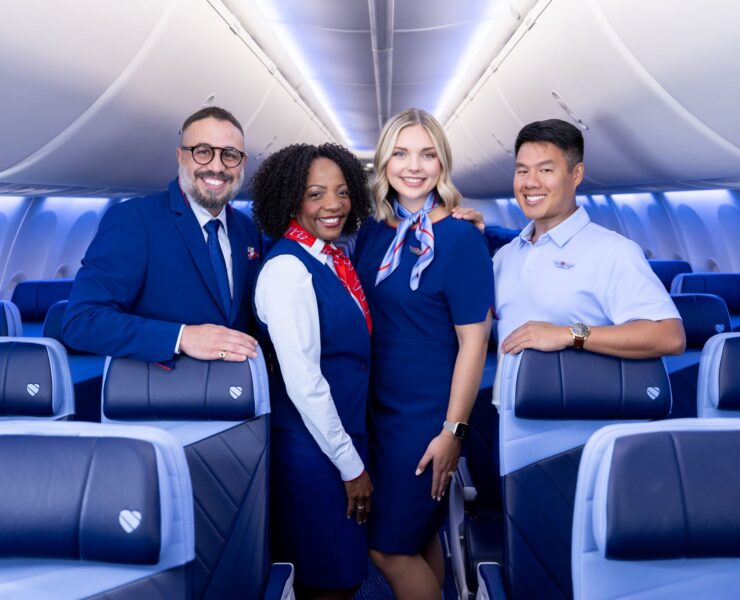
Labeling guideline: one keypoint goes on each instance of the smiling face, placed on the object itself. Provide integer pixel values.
(212, 185)
(326, 203)
(545, 187)
(414, 167)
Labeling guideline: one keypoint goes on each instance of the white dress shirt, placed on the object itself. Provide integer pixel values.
(284, 288)
(203, 216)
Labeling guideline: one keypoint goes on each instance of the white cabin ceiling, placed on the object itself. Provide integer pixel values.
(373, 58)
(94, 93)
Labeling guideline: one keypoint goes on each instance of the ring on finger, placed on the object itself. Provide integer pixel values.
(221, 355)
(360, 507)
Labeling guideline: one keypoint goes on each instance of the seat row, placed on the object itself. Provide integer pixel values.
(678, 278)
(168, 495)
(612, 519)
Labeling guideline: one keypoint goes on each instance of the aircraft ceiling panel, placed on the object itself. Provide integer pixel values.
(440, 14)
(58, 59)
(167, 81)
(473, 177)
(324, 47)
(571, 65)
(424, 55)
(692, 53)
(326, 14)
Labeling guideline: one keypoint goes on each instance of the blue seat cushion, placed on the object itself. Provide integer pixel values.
(192, 390)
(663, 500)
(703, 315)
(25, 375)
(729, 376)
(725, 285)
(35, 297)
(666, 270)
(82, 498)
(553, 385)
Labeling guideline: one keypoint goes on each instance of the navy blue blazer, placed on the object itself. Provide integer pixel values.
(148, 271)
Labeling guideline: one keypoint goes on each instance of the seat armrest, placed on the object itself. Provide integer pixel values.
(466, 481)
(280, 582)
(490, 582)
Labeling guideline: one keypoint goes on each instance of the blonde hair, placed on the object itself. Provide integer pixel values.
(446, 190)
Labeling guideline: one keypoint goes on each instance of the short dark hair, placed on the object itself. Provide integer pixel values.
(278, 185)
(213, 112)
(564, 135)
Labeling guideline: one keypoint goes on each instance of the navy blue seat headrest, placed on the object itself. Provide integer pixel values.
(573, 384)
(703, 316)
(725, 285)
(192, 390)
(35, 297)
(666, 270)
(674, 494)
(53, 321)
(86, 498)
(729, 375)
(26, 380)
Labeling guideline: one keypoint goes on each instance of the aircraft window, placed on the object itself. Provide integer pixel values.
(712, 266)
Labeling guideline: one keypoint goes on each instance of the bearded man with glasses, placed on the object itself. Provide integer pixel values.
(173, 273)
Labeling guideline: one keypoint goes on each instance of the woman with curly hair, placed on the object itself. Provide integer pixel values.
(429, 284)
(310, 301)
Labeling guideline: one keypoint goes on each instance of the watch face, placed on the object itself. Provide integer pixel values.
(579, 330)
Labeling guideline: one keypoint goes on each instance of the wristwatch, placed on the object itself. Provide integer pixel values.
(580, 332)
(459, 430)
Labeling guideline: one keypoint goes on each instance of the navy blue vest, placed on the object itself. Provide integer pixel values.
(345, 348)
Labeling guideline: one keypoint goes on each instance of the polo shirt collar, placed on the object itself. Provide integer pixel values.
(563, 233)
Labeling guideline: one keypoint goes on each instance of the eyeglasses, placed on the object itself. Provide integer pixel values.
(203, 154)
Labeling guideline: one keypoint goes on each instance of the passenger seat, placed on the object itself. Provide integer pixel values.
(657, 512)
(218, 412)
(93, 511)
(724, 285)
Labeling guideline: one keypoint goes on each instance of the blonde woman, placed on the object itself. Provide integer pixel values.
(429, 284)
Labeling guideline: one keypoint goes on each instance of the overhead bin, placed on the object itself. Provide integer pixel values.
(114, 69)
(628, 76)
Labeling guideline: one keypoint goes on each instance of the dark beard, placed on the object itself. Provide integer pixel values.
(209, 201)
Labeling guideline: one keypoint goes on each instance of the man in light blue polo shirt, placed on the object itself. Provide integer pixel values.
(566, 281)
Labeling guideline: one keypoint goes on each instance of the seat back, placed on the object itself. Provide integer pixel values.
(666, 270)
(217, 411)
(35, 380)
(90, 510)
(34, 298)
(719, 377)
(652, 519)
(53, 321)
(703, 315)
(724, 285)
(551, 402)
(10, 320)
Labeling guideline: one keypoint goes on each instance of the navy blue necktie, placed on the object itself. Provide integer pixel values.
(219, 265)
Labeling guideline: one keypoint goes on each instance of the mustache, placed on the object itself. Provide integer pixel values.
(214, 175)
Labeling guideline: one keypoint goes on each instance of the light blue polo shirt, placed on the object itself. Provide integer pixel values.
(576, 272)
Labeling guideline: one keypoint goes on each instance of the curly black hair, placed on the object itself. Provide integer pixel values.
(278, 185)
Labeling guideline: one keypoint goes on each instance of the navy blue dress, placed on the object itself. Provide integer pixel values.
(308, 498)
(414, 347)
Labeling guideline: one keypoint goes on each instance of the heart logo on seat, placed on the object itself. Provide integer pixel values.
(719, 327)
(235, 391)
(33, 389)
(653, 392)
(129, 520)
